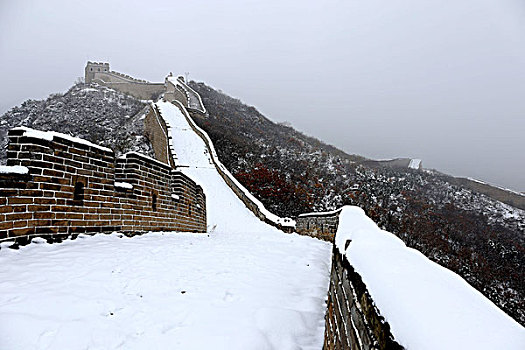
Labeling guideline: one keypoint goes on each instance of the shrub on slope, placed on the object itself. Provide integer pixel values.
(94, 113)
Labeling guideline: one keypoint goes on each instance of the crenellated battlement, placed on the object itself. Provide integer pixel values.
(100, 73)
(173, 88)
(55, 185)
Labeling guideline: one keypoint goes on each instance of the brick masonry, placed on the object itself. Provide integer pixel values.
(352, 320)
(73, 187)
(157, 132)
(318, 225)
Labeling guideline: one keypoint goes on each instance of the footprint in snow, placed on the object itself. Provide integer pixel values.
(229, 297)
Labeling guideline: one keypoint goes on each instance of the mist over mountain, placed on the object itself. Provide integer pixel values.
(440, 81)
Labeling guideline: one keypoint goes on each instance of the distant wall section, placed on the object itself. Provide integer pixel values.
(101, 74)
(506, 196)
(178, 90)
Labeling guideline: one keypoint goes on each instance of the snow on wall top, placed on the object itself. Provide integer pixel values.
(140, 155)
(496, 186)
(426, 305)
(48, 135)
(414, 163)
(15, 169)
(322, 213)
(195, 100)
(125, 185)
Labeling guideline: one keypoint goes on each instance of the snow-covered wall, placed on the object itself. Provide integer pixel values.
(55, 185)
(352, 320)
(177, 89)
(385, 295)
(252, 203)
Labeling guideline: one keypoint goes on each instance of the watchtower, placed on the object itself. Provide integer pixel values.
(95, 67)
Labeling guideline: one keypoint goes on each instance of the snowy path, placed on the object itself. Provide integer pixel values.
(225, 211)
(106, 292)
(244, 286)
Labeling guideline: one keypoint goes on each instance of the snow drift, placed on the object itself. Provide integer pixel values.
(426, 305)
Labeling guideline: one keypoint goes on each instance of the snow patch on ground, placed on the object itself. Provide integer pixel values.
(165, 291)
(426, 305)
(89, 90)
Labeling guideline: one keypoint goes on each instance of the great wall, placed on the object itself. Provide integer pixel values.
(55, 186)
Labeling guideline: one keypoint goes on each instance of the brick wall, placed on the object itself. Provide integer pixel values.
(157, 132)
(140, 90)
(352, 320)
(73, 186)
(318, 225)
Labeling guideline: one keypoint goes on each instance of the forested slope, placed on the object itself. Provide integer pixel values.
(480, 238)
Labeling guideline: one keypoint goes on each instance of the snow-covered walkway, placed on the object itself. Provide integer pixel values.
(171, 291)
(246, 285)
(226, 213)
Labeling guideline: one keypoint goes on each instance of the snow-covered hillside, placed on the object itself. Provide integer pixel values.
(95, 113)
(245, 285)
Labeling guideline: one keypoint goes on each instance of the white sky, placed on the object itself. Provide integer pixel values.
(439, 80)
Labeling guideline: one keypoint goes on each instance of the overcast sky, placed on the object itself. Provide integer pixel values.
(440, 80)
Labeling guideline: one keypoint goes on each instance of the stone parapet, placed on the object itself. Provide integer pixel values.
(319, 225)
(157, 132)
(352, 320)
(72, 186)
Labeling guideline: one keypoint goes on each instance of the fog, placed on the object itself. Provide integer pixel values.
(443, 81)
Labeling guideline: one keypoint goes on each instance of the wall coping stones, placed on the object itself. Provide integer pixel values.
(131, 155)
(51, 135)
(13, 169)
(321, 213)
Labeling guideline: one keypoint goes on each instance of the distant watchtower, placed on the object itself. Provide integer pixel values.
(94, 67)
